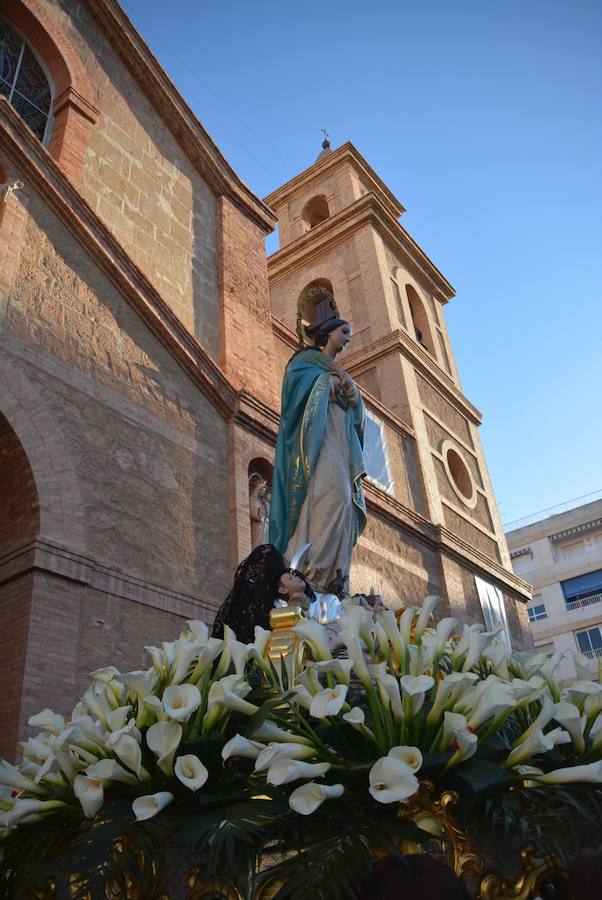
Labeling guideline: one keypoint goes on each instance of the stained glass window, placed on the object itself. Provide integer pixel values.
(22, 80)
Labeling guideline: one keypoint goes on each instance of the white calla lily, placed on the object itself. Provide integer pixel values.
(425, 613)
(544, 717)
(341, 668)
(392, 780)
(241, 746)
(89, 791)
(388, 689)
(453, 725)
(191, 771)
(302, 696)
(267, 732)
(388, 622)
(317, 638)
(30, 810)
(355, 716)
(582, 665)
(592, 772)
(415, 687)
(205, 656)
(186, 653)
(153, 709)
(569, 717)
(275, 751)
(12, 777)
(356, 655)
(163, 738)
(496, 701)
(229, 692)
(443, 632)
(118, 718)
(148, 806)
(107, 770)
(306, 799)
(180, 701)
(406, 621)
(199, 630)
(411, 756)
(105, 675)
(239, 653)
(283, 771)
(537, 743)
(309, 679)
(257, 648)
(328, 702)
(48, 721)
(579, 690)
(478, 642)
(128, 750)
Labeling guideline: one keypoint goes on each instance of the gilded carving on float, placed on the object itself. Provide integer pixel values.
(435, 817)
(284, 645)
(527, 885)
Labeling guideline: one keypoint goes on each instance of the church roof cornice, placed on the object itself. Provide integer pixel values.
(40, 172)
(368, 209)
(175, 112)
(346, 154)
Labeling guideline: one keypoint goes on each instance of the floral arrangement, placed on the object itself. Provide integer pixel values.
(215, 749)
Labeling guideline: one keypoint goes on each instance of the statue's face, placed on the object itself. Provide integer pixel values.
(339, 338)
(290, 584)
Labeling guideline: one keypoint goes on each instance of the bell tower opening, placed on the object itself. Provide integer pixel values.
(422, 328)
(315, 212)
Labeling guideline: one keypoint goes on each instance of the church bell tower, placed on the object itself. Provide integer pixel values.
(433, 525)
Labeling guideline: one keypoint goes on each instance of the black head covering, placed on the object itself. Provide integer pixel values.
(325, 327)
(252, 595)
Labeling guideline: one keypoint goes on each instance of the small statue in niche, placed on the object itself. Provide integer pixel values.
(259, 508)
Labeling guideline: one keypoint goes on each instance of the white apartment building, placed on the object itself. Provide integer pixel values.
(561, 556)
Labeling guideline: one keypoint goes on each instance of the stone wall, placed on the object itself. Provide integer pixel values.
(150, 450)
(138, 463)
(140, 182)
(396, 564)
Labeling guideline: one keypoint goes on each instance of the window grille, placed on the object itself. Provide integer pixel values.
(375, 453)
(537, 612)
(590, 642)
(23, 82)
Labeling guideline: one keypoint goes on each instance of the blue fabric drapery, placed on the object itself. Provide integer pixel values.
(305, 395)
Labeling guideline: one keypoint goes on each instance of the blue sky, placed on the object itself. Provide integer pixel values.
(484, 118)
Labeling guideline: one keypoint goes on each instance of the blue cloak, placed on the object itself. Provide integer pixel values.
(305, 396)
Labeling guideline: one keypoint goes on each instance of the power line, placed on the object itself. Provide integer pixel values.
(206, 112)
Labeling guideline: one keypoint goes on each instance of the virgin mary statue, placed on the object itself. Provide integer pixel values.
(317, 495)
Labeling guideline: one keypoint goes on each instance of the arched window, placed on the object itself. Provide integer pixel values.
(23, 81)
(19, 525)
(315, 211)
(422, 328)
(311, 296)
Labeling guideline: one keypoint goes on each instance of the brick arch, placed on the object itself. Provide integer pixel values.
(324, 270)
(61, 509)
(72, 108)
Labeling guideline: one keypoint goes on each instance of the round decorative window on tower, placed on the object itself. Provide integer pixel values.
(459, 474)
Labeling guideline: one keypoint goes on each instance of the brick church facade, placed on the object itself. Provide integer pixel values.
(143, 336)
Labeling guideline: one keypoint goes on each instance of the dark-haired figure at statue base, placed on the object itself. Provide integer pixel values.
(317, 496)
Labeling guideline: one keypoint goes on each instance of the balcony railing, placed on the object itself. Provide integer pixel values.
(593, 654)
(586, 601)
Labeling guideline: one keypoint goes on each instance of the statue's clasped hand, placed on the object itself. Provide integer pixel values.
(342, 382)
